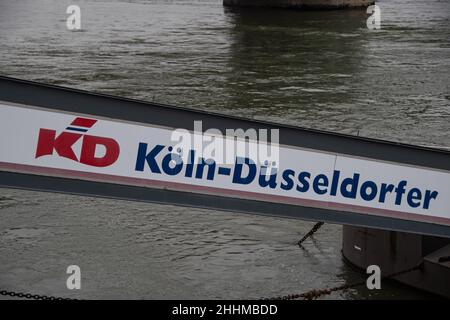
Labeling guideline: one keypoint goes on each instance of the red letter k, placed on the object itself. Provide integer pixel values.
(62, 144)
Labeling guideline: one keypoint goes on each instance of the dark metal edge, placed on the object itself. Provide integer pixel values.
(78, 101)
(187, 199)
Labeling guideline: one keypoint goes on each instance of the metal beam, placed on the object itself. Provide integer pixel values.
(76, 102)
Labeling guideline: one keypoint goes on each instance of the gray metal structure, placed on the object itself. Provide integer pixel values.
(77, 101)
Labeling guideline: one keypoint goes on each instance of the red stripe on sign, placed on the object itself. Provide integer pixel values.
(83, 122)
(247, 195)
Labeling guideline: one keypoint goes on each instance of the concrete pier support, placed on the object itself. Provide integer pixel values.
(396, 251)
(301, 4)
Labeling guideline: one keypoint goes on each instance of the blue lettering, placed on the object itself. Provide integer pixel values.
(190, 164)
(263, 182)
(414, 194)
(373, 190)
(288, 183)
(174, 159)
(353, 183)
(245, 171)
(320, 180)
(303, 179)
(334, 183)
(428, 197)
(237, 175)
(385, 188)
(143, 157)
(211, 169)
(400, 190)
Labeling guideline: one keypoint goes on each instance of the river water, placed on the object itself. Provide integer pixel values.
(322, 70)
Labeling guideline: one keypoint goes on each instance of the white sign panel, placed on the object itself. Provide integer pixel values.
(73, 146)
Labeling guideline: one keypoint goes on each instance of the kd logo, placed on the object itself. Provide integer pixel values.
(64, 142)
(74, 280)
(374, 21)
(74, 20)
(374, 280)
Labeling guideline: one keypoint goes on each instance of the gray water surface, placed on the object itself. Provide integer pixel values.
(322, 70)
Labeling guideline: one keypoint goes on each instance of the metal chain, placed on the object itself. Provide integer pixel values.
(309, 295)
(310, 233)
(31, 296)
(316, 293)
